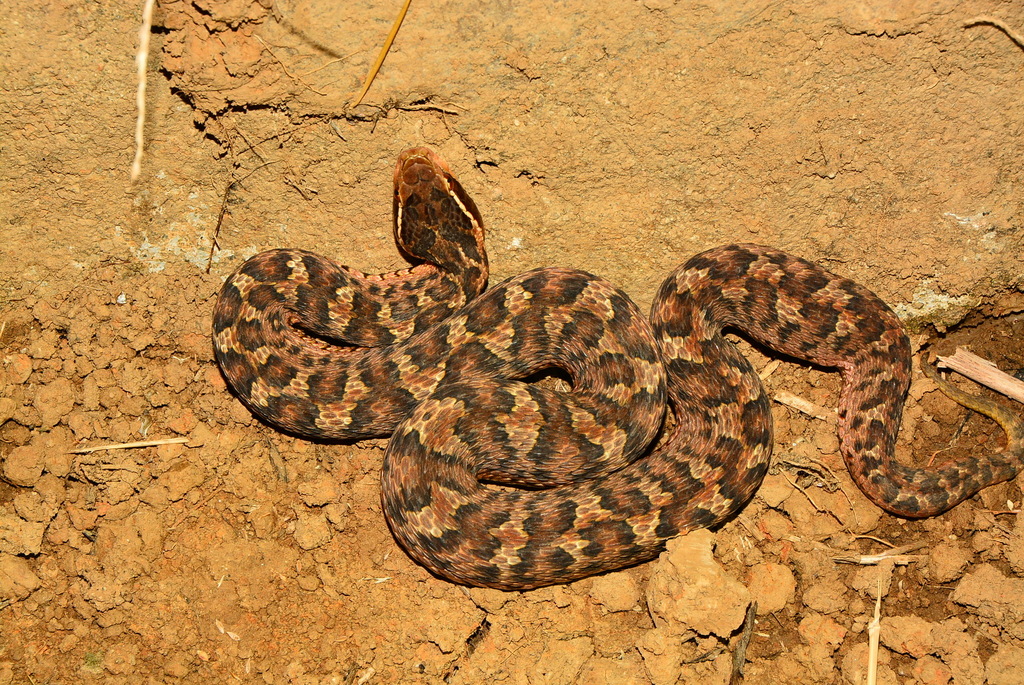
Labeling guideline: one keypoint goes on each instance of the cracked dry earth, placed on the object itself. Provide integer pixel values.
(881, 140)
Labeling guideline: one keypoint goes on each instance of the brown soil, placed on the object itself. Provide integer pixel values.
(880, 139)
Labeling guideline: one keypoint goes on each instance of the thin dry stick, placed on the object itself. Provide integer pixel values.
(983, 371)
(998, 23)
(141, 61)
(383, 53)
(739, 656)
(806, 406)
(899, 555)
(874, 628)
(130, 445)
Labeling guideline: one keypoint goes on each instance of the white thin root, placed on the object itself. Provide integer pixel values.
(141, 62)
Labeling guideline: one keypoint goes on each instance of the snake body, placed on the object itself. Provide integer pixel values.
(430, 357)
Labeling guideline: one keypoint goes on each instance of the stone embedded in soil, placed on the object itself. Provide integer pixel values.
(17, 581)
(311, 530)
(931, 671)
(946, 562)
(1006, 666)
(320, 491)
(909, 635)
(772, 585)
(616, 591)
(24, 465)
(54, 401)
(994, 597)
(690, 593)
(18, 536)
(562, 661)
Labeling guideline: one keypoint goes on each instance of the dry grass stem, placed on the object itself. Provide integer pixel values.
(372, 74)
(130, 445)
(984, 372)
(141, 62)
(874, 629)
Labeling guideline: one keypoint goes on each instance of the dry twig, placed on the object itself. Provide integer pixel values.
(214, 244)
(739, 655)
(806, 406)
(983, 371)
(898, 555)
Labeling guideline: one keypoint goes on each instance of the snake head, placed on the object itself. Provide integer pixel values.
(435, 219)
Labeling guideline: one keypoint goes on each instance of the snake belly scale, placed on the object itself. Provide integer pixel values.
(429, 357)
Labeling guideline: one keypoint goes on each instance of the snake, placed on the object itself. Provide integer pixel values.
(545, 430)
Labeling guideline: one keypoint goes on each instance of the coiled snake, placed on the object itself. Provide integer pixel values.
(427, 356)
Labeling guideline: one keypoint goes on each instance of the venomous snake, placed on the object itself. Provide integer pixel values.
(427, 356)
